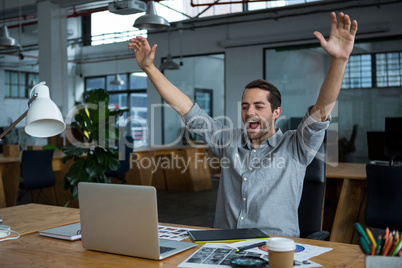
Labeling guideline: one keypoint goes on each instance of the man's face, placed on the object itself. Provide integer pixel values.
(257, 115)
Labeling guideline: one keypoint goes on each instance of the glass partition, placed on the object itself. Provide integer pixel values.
(201, 78)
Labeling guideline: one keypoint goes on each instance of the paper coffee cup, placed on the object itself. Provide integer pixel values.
(280, 252)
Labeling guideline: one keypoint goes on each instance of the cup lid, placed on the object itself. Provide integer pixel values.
(280, 244)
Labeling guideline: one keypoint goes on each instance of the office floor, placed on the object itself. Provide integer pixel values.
(188, 208)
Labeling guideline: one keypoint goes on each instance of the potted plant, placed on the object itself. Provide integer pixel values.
(96, 152)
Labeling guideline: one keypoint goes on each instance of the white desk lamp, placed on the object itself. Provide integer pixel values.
(44, 118)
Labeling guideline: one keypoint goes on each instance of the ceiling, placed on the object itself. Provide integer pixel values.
(11, 8)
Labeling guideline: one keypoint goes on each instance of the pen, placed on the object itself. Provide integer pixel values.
(379, 241)
(251, 246)
(359, 229)
(398, 248)
(364, 246)
(371, 237)
(387, 246)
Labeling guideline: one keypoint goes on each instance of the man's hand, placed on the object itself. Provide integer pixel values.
(341, 39)
(144, 54)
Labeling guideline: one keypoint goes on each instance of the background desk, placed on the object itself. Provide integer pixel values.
(180, 168)
(10, 172)
(31, 249)
(352, 196)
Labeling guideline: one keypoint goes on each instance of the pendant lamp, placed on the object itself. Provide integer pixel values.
(6, 41)
(151, 21)
(168, 64)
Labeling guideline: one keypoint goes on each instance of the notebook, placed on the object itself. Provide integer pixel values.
(228, 235)
(67, 232)
(123, 219)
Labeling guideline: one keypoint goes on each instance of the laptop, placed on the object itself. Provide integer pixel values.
(123, 219)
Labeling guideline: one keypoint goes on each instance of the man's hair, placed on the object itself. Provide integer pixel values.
(274, 96)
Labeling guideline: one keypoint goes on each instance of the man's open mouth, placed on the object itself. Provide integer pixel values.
(252, 124)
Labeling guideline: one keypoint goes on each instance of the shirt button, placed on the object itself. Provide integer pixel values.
(254, 151)
(237, 155)
(250, 169)
(244, 199)
(245, 179)
(242, 218)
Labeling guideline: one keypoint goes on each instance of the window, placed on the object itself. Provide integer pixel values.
(104, 32)
(278, 3)
(18, 84)
(389, 69)
(131, 95)
(358, 72)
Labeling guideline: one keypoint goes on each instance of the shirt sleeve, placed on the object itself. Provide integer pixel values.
(213, 132)
(308, 138)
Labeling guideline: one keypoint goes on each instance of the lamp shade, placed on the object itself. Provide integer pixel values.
(6, 42)
(169, 64)
(44, 118)
(151, 21)
(117, 81)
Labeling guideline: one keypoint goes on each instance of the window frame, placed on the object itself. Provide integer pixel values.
(129, 92)
(26, 84)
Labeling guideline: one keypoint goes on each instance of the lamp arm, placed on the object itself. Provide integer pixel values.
(19, 118)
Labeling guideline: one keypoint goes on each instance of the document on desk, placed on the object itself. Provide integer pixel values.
(220, 255)
(173, 233)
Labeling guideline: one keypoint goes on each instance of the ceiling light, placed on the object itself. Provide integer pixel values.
(151, 21)
(117, 81)
(168, 64)
(7, 42)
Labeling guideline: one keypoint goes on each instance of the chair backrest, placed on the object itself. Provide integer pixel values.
(384, 197)
(36, 169)
(310, 208)
(128, 144)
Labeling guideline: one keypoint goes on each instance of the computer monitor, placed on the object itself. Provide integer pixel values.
(375, 146)
(393, 137)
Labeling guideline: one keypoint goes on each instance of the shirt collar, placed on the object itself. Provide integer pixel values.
(271, 141)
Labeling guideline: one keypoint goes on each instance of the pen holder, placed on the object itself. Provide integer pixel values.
(382, 261)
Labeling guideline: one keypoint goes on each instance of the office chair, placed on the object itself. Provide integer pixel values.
(310, 207)
(384, 198)
(120, 173)
(37, 174)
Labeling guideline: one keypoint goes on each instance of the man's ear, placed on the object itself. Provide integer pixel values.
(277, 112)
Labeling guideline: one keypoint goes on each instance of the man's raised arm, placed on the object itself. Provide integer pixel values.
(145, 56)
(339, 46)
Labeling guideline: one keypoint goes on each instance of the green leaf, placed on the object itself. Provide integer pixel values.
(98, 122)
(73, 150)
(107, 159)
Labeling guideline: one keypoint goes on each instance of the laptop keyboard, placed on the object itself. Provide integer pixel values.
(165, 249)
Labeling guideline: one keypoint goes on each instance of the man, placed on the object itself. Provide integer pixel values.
(263, 171)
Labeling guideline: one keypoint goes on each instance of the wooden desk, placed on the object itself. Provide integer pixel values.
(351, 202)
(34, 250)
(180, 168)
(30, 218)
(10, 172)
